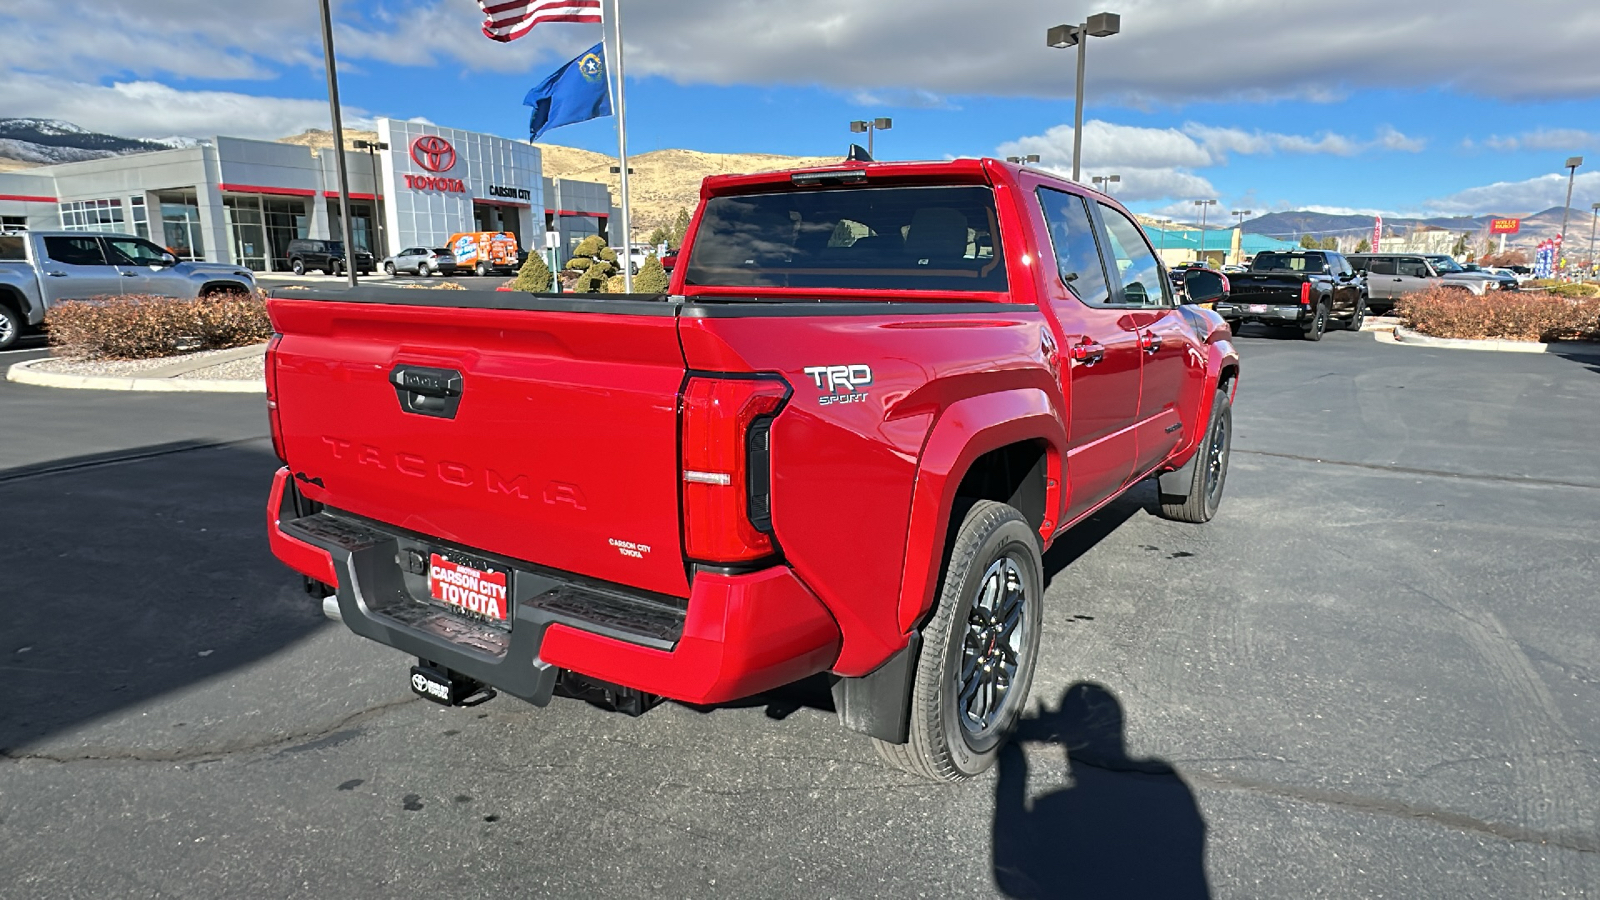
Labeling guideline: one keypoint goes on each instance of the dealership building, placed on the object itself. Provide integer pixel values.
(239, 201)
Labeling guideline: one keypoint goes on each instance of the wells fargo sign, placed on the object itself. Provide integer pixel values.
(1505, 226)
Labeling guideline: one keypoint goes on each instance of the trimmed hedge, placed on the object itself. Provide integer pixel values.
(141, 326)
(1512, 316)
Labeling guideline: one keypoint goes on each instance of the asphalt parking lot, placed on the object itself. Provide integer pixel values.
(1374, 675)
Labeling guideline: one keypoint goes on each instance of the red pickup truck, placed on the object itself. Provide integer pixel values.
(841, 444)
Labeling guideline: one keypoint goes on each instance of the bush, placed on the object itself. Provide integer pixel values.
(534, 276)
(141, 326)
(596, 261)
(1516, 316)
(1574, 290)
(652, 278)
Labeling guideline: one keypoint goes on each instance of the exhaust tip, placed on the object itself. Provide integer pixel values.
(330, 608)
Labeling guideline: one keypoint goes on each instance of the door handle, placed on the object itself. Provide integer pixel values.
(1088, 352)
(1149, 342)
(56, 274)
(130, 274)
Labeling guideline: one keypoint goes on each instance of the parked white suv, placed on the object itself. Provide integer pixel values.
(41, 268)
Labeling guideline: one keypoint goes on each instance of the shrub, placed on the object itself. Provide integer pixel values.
(1574, 290)
(596, 262)
(141, 326)
(1515, 316)
(593, 280)
(652, 278)
(534, 276)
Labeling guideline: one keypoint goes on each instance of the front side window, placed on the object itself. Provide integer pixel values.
(75, 251)
(941, 238)
(128, 252)
(1140, 271)
(1414, 268)
(1077, 250)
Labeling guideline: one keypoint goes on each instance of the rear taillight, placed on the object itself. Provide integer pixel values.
(272, 397)
(727, 507)
(1305, 294)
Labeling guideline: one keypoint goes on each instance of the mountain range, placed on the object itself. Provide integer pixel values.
(667, 180)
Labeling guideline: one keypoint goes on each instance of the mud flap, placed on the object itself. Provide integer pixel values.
(879, 703)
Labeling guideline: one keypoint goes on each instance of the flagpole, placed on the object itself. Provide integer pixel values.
(622, 157)
(338, 147)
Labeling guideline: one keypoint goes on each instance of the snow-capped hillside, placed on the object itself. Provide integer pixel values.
(45, 141)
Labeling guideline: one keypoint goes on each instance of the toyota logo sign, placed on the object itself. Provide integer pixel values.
(433, 153)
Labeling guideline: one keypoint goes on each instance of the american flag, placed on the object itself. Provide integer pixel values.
(507, 20)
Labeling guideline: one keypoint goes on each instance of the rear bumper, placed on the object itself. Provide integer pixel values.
(739, 634)
(1263, 312)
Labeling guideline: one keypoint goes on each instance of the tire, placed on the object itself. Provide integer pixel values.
(1200, 503)
(1318, 326)
(10, 327)
(995, 547)
(1357, 317)
(483, 270)
(422, 270)
(388, 268)
(297, 266)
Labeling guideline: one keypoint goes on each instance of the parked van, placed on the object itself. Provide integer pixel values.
(485, 252)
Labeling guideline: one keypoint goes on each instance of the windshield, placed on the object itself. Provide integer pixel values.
(1445, 265)
(1288, 262)
(943, 238)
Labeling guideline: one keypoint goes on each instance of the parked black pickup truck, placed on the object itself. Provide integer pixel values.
(1303, 289)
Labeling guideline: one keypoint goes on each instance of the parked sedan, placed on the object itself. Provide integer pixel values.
(421, 261)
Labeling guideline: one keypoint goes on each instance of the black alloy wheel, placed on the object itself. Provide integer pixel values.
(1199, 503)
(1359, 316)
(297, 266)
(1319, 324)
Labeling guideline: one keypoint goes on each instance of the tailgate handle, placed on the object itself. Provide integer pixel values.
(427, 392)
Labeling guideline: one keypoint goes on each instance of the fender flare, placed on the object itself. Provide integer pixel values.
(964, 431)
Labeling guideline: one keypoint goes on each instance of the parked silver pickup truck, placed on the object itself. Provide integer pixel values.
(41, 268)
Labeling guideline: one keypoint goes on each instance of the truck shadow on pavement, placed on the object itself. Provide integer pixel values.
(1124, 828)
(123, 580)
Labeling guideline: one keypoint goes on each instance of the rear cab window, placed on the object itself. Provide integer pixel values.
(934, 238)
(1270, 261)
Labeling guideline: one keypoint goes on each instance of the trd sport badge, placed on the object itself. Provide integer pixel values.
(842, 384)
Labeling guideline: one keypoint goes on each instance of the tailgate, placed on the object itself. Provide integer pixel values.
(546, 433)
(1248, 288)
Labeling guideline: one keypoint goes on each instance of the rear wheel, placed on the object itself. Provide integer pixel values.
(1319, 324)
(422, 270)
(1200, 502)
(978, 651)
(10, 327)
(483, 270)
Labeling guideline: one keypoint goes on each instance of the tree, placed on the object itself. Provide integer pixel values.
(1329, 243)
(596, 262)
(662, 235)
(680, 227)
(1460, 249)
(1308, 242)
(1364, 247)
(534, 276)
(652, 278)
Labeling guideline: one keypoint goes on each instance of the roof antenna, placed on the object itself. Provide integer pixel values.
(858, 154)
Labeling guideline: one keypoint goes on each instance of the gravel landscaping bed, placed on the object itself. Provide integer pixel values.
(250, 367)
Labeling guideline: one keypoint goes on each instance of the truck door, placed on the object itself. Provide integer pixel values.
(1171, 371)
(1100, 355)
(144, 270)
(75, 268)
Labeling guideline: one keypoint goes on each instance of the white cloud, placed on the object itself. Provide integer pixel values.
(151, 110)
(941, 47)
(1521, 197)
(1390, 138)
(1559, 140)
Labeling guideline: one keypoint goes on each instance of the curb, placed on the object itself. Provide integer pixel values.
(1403, 335)
(23, 373)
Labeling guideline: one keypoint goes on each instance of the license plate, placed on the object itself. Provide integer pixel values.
(467, 589)
(1257, 307)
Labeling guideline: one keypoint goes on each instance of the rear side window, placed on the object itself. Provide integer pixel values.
(1077, 251)
(75, 251)
(1382, 266)
(1360, 265)
(11, 247)
(943, 238)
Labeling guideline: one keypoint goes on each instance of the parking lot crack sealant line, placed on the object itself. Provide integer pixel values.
(1429, 473)
(39, 472)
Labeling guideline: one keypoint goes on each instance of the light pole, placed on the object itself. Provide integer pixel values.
(1592, 225)
(1204, 205)
(1572, 165)
(1023, 160)
(338, 141)
(1104, 183)
(860, 126)
(372, 147)
(1241, 213)
(1163, 251)
(1064, 36)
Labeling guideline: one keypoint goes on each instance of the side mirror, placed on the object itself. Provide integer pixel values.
(1203, 286)
(168, 259)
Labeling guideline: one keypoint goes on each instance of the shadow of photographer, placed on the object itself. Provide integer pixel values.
(1124, 828)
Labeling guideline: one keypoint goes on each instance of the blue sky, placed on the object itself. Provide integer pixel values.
(1370, 110)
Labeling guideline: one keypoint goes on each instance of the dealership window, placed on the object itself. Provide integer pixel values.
(141, 220)
(92, 215)
(246, 230)
(13, 223)
(180, 224)
(286, 220)
(360, 224)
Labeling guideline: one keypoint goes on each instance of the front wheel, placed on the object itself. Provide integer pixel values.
(482, 270)
(388, 268)
(1199, 503)
(1359, 316)
(10, 327)
(978, 651)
